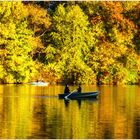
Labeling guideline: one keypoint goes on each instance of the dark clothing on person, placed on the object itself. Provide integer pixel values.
(66, 89)
(79, 89)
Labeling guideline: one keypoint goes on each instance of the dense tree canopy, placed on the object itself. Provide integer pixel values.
(70, 42)
(16, 42)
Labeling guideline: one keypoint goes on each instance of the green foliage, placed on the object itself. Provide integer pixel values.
(72, 40)
(131, 77)
(39, 22)
(16, 41)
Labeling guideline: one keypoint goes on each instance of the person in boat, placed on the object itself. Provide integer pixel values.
(66, 89)
(79, 89)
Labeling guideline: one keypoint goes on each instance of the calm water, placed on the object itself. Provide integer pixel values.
(36, 112)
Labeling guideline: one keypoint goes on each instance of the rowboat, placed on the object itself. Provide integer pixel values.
(77, 95)
(39, 83)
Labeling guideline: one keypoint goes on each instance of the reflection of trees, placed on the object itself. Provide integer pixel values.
(136, 131)
(39, 120)
(46, 119)
(31, 117)
(8, 120)
(114, 115)
(14, 113)
(106, 115)
(136, 122)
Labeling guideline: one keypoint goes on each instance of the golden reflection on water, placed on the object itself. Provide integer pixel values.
(36, 112)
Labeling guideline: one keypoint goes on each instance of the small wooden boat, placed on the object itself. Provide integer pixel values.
(77, 95)
(39, 83)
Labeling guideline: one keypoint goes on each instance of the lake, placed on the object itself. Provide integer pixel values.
(32, 112)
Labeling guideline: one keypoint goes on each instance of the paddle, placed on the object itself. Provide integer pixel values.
(66, 97)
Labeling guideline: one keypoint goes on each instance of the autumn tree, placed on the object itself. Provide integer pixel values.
(72, 39)
(113, 33)
(16, 43)
(39, 23)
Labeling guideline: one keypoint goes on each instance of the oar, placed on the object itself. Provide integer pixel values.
(66, 97)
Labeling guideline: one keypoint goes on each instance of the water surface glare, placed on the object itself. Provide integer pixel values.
(36, 112)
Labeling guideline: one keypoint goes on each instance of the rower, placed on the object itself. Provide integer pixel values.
(66, 89)
(79, 89)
